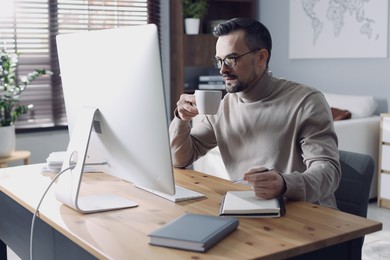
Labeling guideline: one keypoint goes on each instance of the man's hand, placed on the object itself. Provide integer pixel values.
(185, 107)
(267, 184)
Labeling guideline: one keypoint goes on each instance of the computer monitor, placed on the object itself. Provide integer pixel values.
(115, 106)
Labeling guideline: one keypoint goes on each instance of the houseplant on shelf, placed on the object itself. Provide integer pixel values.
(11, 87)
(193, 11)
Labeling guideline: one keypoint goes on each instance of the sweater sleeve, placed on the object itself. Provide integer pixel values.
(318, 143)
(188, 144)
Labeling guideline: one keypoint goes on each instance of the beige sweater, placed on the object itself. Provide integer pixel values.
(277, 124)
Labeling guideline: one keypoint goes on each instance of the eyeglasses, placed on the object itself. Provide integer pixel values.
(230, 62)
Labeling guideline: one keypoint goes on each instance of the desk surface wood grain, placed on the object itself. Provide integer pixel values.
(123, 234)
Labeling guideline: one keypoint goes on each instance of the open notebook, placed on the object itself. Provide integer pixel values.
(246, 204)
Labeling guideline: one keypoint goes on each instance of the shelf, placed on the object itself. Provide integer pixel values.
(384, 162)
(225, 9)
(199, 50)
(191, 54)
(384, 203)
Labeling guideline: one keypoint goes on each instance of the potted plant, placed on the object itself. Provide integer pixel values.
(11, 87)
(193, 11)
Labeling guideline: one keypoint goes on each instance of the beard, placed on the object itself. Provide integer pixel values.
(234, 85)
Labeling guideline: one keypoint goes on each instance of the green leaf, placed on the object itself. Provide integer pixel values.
(10, 89)
(194, 8)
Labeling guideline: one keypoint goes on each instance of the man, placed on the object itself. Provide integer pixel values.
(276, 134)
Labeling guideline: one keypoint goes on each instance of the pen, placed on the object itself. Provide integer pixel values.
(242, 179)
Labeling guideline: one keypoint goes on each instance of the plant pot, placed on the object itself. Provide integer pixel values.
(7, 140)
(192, 25)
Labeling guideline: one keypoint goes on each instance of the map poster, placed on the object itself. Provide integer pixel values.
(338, 29)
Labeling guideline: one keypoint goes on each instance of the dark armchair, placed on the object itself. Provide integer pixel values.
(352, 196)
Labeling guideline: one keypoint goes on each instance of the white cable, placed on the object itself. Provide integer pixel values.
(37, 209)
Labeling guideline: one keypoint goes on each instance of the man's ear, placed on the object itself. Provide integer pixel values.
(263, 56)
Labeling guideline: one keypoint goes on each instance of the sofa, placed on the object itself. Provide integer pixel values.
(358, 132)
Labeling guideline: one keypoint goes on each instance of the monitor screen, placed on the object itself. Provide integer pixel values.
(115, 106)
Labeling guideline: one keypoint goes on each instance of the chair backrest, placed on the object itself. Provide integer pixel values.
(352, 197)
(353, 193)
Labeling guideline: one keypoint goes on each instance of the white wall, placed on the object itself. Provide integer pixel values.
(342, 76)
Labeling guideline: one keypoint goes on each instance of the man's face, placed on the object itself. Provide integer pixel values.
(248, 68)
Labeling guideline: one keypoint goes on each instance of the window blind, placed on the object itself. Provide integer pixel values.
(29, 27)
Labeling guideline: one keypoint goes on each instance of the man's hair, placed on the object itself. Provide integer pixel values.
(256, 34)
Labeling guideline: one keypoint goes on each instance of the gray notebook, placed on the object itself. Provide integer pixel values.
(193, 232)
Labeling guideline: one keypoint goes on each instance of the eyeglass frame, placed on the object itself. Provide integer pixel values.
(218, 62)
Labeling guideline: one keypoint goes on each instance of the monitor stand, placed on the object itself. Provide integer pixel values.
(68, 184)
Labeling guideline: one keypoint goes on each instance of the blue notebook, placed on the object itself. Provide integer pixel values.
(193, 232)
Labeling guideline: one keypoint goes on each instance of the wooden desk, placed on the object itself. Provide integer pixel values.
(122, 234)
(17, 155)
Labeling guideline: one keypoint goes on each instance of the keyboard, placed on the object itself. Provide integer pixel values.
(180, 195)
